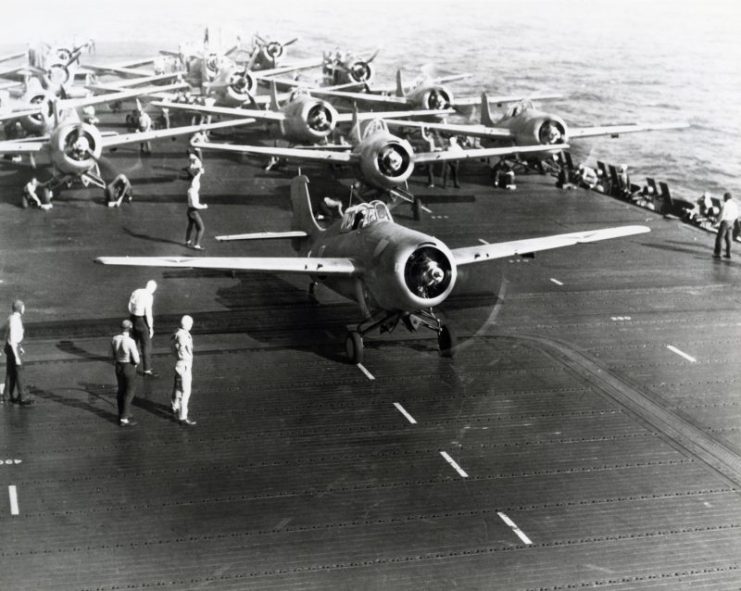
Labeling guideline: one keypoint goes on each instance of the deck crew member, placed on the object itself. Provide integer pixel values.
(125, 358)
(13, 352)
(451, 166)
(182, 347)
(728, 217)
(144, 126)
(118, 190)
(194, 218)
(142, 319)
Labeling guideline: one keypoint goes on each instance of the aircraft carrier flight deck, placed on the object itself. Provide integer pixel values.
(585, 434)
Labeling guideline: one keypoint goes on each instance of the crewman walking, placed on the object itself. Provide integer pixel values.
(142, 319)
(13, 352)
(125, 358)
(182, 347)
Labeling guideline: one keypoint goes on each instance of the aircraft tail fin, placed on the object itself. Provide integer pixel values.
(399, 84)
(355, 131)
(274, 105)
(303, 216)
(485, 112)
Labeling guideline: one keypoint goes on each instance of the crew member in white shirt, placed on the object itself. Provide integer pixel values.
(140, 309)
(182, 347)
(728, 217)
(13, 352)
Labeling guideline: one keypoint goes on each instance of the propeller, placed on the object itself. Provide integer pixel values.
(428, 272)
(320, 118)
(392, 160)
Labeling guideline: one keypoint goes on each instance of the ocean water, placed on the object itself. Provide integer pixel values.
(614, 62)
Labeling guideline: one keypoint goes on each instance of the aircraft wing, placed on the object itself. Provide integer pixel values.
(473, 130)
(229, 111)
(19, 114)
(504, 99)
(444, 156)
(117, 85)
(21, 147)
(12, 56)
(344, 267)
(301, 154)
(306, 64)
(116, 96)
(615, 130)
(113, 141)
(499, 250)
(121, 70)
(348, 117)
(367, 97)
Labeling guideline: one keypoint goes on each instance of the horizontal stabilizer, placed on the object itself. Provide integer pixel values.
(486, 252)
(263, 236)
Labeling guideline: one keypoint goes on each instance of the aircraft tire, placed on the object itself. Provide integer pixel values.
(417, 209)
(446, 341)
(354, 347)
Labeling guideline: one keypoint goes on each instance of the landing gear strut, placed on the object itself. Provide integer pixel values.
(387, 322)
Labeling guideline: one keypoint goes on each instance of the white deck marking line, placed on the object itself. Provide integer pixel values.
(13, 494)
(452, 462)
(483, 241)
(368, 374)
(556, 281)
(403, 411)
(681, 353)
(517, 530)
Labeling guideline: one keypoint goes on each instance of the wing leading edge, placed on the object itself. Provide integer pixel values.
(499, 250)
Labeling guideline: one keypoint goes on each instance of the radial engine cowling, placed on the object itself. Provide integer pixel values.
(39, 124)
(310, 120)
(359, 71)
(386, 162)
(238, 88)
(435, 97)
(545, 130)
(273, 50)
(75, 148)
(414, 275)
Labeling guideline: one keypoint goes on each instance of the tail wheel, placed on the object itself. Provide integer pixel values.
(446, 341)
(354, 347)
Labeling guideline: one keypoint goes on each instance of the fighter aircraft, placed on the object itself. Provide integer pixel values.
(72, 148)
(344, 68)
(395, 274)
(54, 66)
(524, 125)
(383, 161)
(303, 119)
(218, 75)
(266, 54)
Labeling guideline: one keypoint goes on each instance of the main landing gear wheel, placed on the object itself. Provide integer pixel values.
(446, 341)
(354, 347)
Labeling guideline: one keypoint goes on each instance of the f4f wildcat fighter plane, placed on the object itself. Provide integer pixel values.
(396, 274)
(524, 125)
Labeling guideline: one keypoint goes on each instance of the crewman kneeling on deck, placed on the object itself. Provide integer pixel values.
(118, 190)
(505, 177)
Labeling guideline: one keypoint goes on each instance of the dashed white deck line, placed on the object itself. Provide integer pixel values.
(620, 318)
(453, 463)
(13, 494)
(10, 462)
(689, 358)
(403, 411)
(517, 530)
(483, 241)
(368, 374)
(556, 281)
